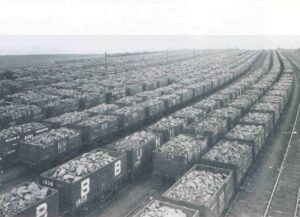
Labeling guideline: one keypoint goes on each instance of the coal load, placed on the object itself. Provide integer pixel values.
(222, 99)
(130, 117)
(157, 208)
(248, 133)
(197, 187)
(186, 95)
(146, 95)
(97, 128)
(232, 93)
(91, 99)
(133, 89)
(78, 168)
(49, 146)
(277, 92)
(260, 118)
(207, 105)
(154, 109)
(101, 109)
(29, 199)
(31, 98)
(66, 119)
(232, 155)
(276, 100)
(211, 127)
(204, 188)
(128, 101)
(243, 103)
(283, 85)
(169, 127)
(138, 147)
(175, 157)
(256, 92)
(268, 107)
(115, 94)
(189, 115)
(230, 113)
(172, 101)
(197, 88)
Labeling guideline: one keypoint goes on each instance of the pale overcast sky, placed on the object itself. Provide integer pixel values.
(140, 17)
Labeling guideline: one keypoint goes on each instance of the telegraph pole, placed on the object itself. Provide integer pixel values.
(167, 56)
(105, 57)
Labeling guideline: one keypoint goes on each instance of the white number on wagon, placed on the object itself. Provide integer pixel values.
(118, 168)
(42, 210)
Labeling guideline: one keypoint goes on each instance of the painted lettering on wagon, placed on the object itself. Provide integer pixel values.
(84, 191)
(139, 154)
(157, 143)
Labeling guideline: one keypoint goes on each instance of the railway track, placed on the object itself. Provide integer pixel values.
(285, 194)
(297, 209)
(282, 197)
(284, 188)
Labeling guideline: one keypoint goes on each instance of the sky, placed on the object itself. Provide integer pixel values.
(68, 26)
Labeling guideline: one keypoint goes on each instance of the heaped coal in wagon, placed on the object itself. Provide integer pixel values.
(27, 199)
(78, 168)
(162, 209)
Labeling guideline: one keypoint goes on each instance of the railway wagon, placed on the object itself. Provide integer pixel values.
(168, 127)
(279, 92)
(248, 133)
(199, 180)
(128, 101)
(133, 89)
(171, 101)
(10, 140)
(207, 105)
(260, 118)
(231, 92)
(231, 155)
(268, 107)
(29, 200)
(86, 178)
(258, 93)
(276, 100)
(211, 127)
(164, 209)
(178, 155)
(130, 117)
(11, 115)
(97, 128)
(138, 148)
(230, 113)
(243, 103)
(189, 115)
(154, 109)
(115, 94)
(49, 146)
(197, 88)
(222, 99)
(186, 95)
